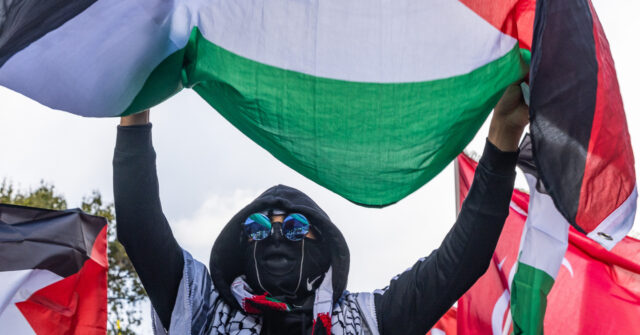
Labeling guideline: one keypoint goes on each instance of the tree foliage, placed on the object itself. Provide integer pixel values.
(125, 292)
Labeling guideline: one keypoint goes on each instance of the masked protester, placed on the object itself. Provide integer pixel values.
(280, 265)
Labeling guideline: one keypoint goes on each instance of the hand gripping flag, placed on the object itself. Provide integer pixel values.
(368, 98)
(587, 290)
(53, 272)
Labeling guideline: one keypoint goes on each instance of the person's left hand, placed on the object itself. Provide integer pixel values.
(510, 117)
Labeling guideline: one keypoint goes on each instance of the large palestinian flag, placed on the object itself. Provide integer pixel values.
(53, 272)
(546, 276)
(368, 98)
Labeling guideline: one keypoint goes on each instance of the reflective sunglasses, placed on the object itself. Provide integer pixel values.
(294, 227)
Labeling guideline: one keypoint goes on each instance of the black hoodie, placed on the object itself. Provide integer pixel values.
(411, 304)
(226, 262)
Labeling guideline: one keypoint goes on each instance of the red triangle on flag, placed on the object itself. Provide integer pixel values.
(74, 305)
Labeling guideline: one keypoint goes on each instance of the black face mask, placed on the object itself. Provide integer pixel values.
(287, 270)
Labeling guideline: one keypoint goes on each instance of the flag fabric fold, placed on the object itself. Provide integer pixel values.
(587, 289)
(370, 100)
(579, 131)
(53, 271)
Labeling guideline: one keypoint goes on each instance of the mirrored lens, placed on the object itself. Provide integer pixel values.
(295, 227)
(257, 226)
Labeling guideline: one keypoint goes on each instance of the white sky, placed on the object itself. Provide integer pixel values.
(208, 170)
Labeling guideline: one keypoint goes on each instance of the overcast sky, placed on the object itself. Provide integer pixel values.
(208, 170)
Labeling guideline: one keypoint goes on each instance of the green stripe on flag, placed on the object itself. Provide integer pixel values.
(162, 83)
(529, 299)
(526, 56)
(543, 245)
(369, 142)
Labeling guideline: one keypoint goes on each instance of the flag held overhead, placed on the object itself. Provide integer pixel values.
(370, 99)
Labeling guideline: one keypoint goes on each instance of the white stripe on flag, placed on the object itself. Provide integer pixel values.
(546, 233)
(358, 40)
(618, 224)
(95, 63)
(17, 286)
(517, 208)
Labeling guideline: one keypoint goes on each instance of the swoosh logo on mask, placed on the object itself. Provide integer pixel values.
(310, 284)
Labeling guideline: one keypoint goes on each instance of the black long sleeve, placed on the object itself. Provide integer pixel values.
(142, 227)
(416, 299)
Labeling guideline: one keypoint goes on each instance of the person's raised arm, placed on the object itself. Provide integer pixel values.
(416, 299)
(141, 225)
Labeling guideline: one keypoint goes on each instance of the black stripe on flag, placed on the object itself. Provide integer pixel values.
(24, 21)
(564, 79)
(58, 241)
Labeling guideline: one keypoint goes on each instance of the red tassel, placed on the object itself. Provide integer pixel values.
(326, 323)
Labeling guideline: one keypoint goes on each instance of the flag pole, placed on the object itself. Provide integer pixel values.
(456, 181)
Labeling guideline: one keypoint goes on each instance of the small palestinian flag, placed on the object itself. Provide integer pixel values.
(53, 272)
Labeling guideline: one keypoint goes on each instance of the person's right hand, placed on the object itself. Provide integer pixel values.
(510, 117)
(135, 119)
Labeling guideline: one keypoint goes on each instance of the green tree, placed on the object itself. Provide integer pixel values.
(125, 292)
